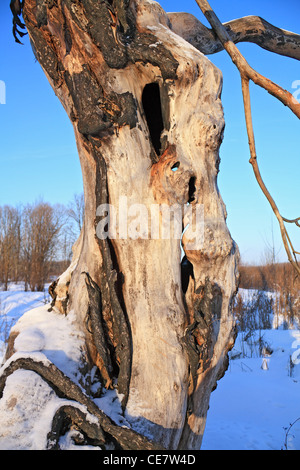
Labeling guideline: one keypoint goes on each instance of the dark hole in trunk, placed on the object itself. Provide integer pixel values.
(187, 272)
(192, 189)
(152, 108)
(175, 166)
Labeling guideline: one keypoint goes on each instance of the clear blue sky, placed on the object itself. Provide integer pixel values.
(38, 156)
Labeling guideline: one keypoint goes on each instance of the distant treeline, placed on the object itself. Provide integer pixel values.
(267, 277)
(279, 278)
(36, 241)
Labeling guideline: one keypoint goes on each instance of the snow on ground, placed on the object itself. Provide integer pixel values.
(252, 407)
(253, 403)
(13, 304)
(258, 398)
(28, 403)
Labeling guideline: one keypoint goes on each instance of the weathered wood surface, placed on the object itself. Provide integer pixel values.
(248, 29)
(144, 102)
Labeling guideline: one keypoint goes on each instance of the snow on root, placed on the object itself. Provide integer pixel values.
(29, 403)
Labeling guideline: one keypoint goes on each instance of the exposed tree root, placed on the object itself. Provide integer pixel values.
(69, 414)
(124, 438)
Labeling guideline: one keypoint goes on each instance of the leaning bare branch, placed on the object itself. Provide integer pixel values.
(247, 73)
(253, 160)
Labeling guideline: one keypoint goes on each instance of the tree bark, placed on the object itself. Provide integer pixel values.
(148, 121)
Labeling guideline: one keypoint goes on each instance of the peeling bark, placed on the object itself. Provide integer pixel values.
(94, 315)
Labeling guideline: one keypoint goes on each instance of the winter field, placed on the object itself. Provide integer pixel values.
(253, 407)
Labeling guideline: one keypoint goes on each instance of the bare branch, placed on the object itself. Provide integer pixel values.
(253, 160)
(248, 29)
(293, 221)
(244, 68)
(247, 73)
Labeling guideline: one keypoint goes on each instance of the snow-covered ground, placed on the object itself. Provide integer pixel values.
(13, 304)
(257, 399)
(252, 408)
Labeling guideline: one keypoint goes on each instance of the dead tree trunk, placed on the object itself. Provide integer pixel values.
(148, 121)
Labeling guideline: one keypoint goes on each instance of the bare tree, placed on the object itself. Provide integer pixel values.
(41, 225)
(148, 120)
(76, 212)
(73, 222)
(10, 242)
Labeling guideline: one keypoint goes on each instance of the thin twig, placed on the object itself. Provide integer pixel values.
(288, 431)
(293, 221)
